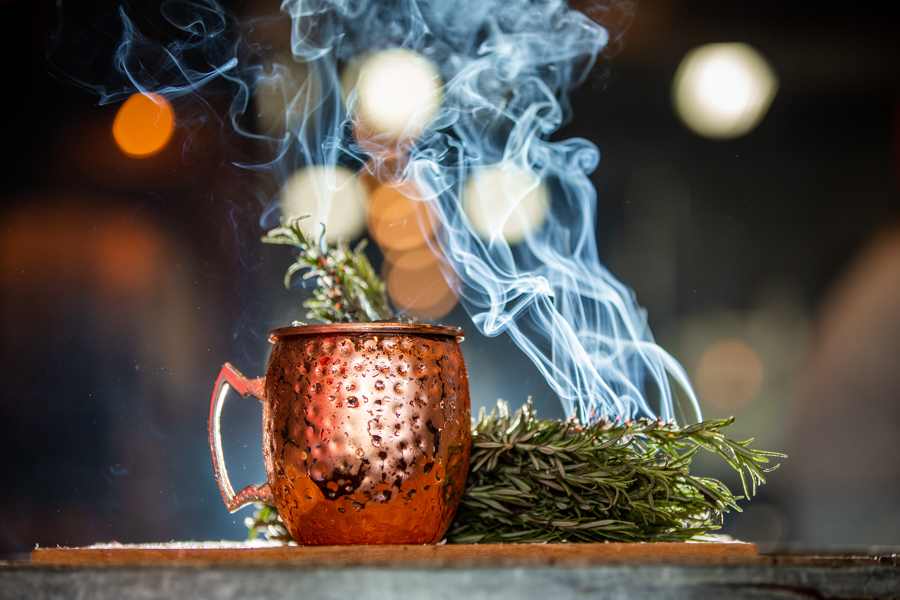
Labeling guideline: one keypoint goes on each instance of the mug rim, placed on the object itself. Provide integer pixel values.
(372, 327)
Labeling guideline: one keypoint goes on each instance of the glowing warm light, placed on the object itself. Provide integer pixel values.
(729, 374)
(283, 96)
(506, 201)
(350, 75)
(417, 286)
(723, 90)
(331, 196)
(144, 125)
(396, 221)
(398, 93)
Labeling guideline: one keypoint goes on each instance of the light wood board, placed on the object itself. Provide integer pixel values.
(450, 555)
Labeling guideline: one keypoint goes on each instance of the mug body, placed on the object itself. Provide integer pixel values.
(366, 431)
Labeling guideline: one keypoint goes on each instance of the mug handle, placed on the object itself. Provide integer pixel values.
(245, 387)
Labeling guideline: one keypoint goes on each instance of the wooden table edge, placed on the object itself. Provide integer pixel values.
(463, 555)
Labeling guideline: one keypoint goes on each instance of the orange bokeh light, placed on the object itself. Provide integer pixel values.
(396, 220)
(144, 125)
(417, 285)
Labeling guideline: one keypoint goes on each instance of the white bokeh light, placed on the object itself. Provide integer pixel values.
(723, 91)
(507, 201)
(331, 196)
(398, 93)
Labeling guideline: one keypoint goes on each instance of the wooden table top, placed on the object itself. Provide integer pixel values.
(449, 555)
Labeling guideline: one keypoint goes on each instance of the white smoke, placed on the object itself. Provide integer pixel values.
(508, 66)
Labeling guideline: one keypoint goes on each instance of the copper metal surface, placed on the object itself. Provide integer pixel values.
(366, 431)
(381, 328)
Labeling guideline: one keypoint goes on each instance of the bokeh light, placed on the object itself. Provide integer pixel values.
(729, 374)
(283, 92)
(723, 91)
(397, 94)
(144, 125)
(506, 201)
(399, 222)
(416, 284)
(331, 196)
(396, 220)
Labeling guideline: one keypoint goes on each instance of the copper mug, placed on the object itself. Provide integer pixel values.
(366, 432)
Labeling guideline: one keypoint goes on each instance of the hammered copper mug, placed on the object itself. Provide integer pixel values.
(366, 432)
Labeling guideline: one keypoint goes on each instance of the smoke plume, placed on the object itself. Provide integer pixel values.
(507, 67)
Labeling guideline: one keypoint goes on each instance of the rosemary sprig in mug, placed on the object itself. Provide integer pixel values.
(534, 480)
(347, 287)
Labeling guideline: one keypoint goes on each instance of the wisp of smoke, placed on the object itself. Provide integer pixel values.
(508, 66)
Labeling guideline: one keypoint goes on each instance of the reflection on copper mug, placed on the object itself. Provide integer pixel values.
(366, 432)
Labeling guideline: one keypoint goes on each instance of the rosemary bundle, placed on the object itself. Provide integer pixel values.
(347, 287)
(534, 480)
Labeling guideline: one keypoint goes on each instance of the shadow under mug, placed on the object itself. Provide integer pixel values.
(366, 431)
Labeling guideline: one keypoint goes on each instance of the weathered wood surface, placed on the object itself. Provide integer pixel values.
(795, 578)
(451, 555)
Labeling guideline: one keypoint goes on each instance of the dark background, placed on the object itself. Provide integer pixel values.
(127, 283)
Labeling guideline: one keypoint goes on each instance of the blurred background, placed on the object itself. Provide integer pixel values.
(764, 242)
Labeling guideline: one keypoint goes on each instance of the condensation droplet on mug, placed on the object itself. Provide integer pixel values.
(376, 441)
(379, 385)
(403, 368)
(352, 401)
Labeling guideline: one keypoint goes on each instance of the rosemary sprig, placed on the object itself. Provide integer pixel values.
(347, 287)
(535, 480)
